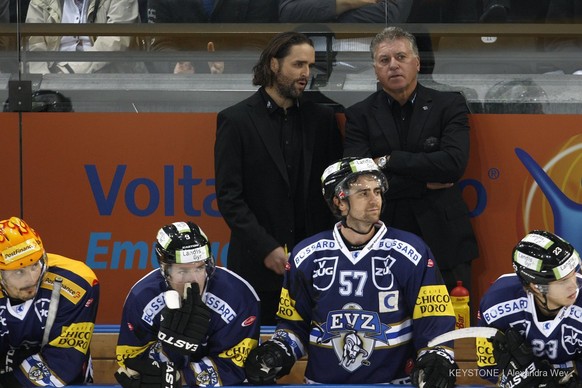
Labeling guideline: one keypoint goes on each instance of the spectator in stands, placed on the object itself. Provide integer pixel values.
(356, 298)
(207, 11)
(444, 11)
(344, 11)
(513, 11)
(79, 12)
(48, 307)
(269, 154)
(566, 49)
(4, 18)
(4, 11)
(536, 310)
(18, 15)
(420, 138)
(187, 316)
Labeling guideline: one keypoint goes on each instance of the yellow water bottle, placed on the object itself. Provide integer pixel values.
(460, 299)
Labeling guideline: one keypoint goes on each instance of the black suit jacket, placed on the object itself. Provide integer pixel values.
(436, 150)
(252, 185)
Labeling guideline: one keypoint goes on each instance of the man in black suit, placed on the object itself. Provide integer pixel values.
(270, 152)
(420, 138)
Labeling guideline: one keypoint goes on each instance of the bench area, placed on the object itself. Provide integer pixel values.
(104, 364)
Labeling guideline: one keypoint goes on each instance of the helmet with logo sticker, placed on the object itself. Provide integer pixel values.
(183, 243)
(542, 257)
(337, 178)
(20, 245)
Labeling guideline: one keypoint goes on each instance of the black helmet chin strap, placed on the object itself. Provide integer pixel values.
(544, 303)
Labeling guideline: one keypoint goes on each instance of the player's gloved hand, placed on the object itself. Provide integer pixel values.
(184, 329)
(14, 357)
(148, 373)
(434, 369)
(516, 361)
(269, 361)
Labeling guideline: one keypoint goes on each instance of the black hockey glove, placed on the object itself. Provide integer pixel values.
(14, 357)
(269, 361)
(148, 373)
(184, 329)
(434, 369)
(516, 362)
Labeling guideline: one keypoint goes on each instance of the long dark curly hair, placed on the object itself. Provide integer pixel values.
(279, 48)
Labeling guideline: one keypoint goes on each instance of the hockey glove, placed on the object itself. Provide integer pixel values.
(269, 361)
(434, 369)
(14, 357)
(516, 362)
(148, 373)
(184, 329)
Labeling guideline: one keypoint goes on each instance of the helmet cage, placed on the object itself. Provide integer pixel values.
(542, 257)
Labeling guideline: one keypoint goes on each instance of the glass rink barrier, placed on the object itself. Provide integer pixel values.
(501, 68)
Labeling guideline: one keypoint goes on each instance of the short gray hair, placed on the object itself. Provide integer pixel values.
(390, 34)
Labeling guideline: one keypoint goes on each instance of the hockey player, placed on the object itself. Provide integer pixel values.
(48, 305)
(362, 300)
(538, 311)
(187, 316)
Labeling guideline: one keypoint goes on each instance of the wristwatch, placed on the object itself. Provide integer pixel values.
(382, 161)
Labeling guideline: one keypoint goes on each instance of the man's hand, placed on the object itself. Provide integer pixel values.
(434, 369)
(184, 329)
(184, 68)
(215, 67)
(516, 361)
(148, 373)
(269, 361)
(277, 260)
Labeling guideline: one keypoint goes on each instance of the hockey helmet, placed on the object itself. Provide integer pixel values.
(542, 257)
(20, 245)
(337, 178)
(183, 243)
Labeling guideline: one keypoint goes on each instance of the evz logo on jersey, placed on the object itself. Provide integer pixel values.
(353, 333)
(571, 339)
(324, 272)
(383, 277)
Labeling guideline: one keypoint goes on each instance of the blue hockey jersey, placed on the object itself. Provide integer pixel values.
(233, 332)
(65, 358)
(507, 304)
(362, 316)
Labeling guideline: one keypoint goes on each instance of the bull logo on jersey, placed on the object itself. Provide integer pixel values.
(353, 334)
(571, 339)
(207, 377)
(324, 272)
(41, 307)
(40, 374)
(383, 277)
(352, 349)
